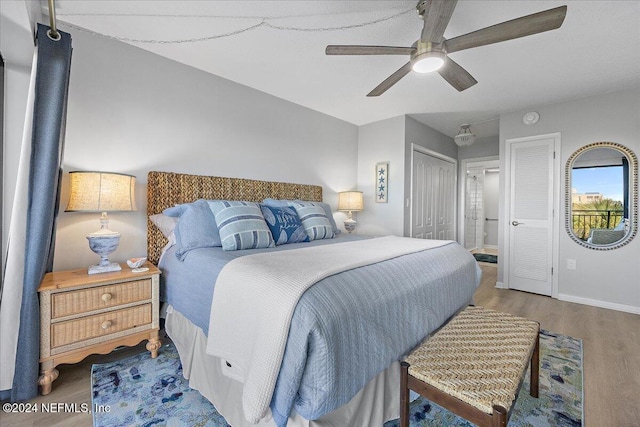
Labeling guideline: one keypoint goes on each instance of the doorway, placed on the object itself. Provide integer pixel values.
(481, 198)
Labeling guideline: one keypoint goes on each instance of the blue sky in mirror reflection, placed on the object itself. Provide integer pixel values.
(604, 180)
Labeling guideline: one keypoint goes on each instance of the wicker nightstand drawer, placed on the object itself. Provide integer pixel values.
(85, 300)
(83, 314)
(85, 328)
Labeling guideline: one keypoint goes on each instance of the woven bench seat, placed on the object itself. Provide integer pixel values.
(473, 366)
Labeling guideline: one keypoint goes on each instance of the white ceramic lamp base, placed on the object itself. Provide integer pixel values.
(103, 245)
(350, 225)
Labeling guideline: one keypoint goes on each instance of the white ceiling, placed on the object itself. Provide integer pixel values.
(596, 50)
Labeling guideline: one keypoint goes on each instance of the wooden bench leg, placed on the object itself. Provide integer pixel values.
(535, 368)
(404, 395)
(499, 416)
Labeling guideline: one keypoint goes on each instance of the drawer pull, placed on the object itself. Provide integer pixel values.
(106, 324)
(106, 297)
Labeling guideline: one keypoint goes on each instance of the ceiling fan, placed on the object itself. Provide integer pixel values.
(431, 51)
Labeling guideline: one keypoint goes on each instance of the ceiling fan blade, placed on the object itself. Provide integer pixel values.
(437, 14)
(519, 27)
(368, 50)
(391, 80)
(456, 76)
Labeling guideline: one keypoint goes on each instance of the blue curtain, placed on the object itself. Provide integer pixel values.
(49, 118)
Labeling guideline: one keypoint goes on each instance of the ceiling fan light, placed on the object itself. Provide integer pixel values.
(427, 62)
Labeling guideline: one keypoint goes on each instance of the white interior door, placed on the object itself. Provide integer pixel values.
(422, 197)
(433, 197)
(530, 219)
(445, 200)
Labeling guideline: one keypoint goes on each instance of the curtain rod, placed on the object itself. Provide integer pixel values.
(53, 32)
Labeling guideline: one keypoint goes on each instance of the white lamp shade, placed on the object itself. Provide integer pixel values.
(101, 192)
(350, 201)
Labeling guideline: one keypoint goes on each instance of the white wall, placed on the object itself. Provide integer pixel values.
(380, 142)
(603, 278)
(132, 111)
(483, 147)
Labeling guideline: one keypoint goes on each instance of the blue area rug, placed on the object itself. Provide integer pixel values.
(140, 391)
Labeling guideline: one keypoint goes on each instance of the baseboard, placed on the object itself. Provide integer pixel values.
(597, 303)
(500, 285)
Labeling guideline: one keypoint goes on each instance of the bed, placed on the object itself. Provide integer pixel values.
(338, 364)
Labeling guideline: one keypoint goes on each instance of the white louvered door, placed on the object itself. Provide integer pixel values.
(530, 223)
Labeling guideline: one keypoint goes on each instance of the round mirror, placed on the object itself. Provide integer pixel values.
(602, 196)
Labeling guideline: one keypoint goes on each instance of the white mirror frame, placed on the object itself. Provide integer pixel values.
(633, 195)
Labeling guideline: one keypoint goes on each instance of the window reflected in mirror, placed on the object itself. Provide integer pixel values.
(601, 199)
(597, 202)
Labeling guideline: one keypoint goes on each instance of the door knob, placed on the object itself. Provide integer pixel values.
(515, 223)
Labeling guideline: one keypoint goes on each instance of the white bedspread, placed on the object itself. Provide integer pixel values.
(255, 296)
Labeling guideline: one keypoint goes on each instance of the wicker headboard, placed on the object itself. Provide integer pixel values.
(165, 189)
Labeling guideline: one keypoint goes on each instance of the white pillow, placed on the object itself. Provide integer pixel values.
(165, 223)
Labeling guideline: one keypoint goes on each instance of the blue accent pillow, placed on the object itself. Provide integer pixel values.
(176, 211)
(241, 225)
(325, 206)
(196, 227)
(277, 203)
(284, 224)
(315, 221)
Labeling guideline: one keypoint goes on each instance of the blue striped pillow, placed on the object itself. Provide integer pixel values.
(315, 221)
(241, 225)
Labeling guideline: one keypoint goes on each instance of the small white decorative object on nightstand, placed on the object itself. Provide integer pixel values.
(136, 262)
(350, 201)
(82, 314)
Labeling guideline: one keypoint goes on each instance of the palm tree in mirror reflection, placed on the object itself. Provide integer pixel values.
(602, 213)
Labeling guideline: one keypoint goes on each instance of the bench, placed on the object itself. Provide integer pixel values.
(473, 366)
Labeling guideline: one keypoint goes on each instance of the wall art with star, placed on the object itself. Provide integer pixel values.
(382, 182)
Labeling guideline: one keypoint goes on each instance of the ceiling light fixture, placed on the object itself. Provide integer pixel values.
(428, 62)
(465, 137)
(427, 59)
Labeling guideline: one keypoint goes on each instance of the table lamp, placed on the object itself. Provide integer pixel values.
(350, 201)
(102, 192)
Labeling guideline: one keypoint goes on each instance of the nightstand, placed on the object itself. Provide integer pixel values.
(82, 314)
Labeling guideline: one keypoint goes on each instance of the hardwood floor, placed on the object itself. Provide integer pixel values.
(611, 346)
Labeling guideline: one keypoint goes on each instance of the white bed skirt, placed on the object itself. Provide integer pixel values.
(375, 404)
